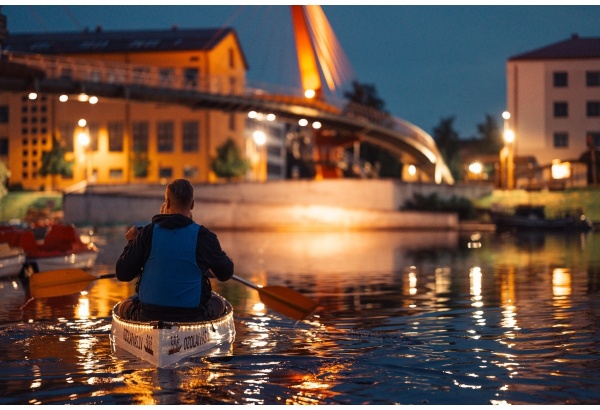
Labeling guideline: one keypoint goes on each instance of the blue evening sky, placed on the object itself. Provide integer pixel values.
(426, 61)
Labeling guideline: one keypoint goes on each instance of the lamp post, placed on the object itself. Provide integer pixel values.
(83, 138)
(259, 159)
(507, 154)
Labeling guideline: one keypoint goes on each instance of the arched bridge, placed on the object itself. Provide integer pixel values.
(60, 75)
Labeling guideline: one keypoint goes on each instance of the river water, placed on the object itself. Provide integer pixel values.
(404, 318)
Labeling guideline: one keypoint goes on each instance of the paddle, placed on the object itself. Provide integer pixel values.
(282, 299)
(68, 281)
(61, 282)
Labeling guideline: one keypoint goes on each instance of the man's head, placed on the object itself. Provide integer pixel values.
(179, 197)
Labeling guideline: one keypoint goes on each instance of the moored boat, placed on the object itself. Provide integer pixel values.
(164, 343)
(11, 260)
(534, 217)
(61, 248)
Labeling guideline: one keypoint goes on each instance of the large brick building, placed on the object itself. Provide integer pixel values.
(128, 141)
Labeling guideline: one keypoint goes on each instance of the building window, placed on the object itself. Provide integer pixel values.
(115, 173)
(166, 76)
(4, 146)
(115, 136)
(140, 136)
(561, 140)
(140, 74)
(592, 78)
(165, 172)
(190, 76)
(66, 73)
(190, 172)
(3, 114)
(191, 136)
(165, 136)
(561, 109)
(561, 79)
(594, 136)
(593, 108)
(66, 132)
(231, 58)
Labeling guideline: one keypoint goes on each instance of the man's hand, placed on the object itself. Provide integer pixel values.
(132, 233)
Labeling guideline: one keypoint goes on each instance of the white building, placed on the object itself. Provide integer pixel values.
(553, 96)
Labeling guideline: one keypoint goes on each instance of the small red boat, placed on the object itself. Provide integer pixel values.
(61, 248)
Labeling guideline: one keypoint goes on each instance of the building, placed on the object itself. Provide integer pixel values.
(124, 141)
(553, 97)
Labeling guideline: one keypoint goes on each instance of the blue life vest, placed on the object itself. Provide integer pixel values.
(171, 274)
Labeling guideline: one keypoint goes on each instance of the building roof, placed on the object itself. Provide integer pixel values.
(573, 48)
(100, 41)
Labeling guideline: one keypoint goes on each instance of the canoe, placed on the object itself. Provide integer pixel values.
(12, 259)
(164, 343)
(61, 248)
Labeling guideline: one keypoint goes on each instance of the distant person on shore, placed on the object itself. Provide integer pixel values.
(172, 258)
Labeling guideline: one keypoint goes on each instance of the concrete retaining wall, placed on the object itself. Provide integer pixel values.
(281, 205)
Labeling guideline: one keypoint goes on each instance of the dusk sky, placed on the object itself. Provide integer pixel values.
(427, 62)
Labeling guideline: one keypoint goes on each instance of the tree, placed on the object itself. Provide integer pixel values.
(229, 163)
(447, 141)
(489, 136)
(54, 163)
(365, 94)
(140, 162)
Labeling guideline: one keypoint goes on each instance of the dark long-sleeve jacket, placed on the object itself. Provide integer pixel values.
(209, 254)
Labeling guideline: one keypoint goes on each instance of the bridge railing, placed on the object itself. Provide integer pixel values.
(108, 72)
(390, 122)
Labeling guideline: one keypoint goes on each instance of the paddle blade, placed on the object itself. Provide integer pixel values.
(287, 301)
(58, 290)
(59, 282)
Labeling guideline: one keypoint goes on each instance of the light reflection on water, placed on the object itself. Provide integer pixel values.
(404, 317)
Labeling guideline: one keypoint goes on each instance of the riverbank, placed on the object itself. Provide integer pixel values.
(294, 205)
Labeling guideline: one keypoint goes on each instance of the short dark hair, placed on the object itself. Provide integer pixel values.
(181, 192)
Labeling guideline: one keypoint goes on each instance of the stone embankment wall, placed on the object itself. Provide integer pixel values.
(281, 205)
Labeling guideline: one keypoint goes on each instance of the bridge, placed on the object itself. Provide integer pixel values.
(41, 73)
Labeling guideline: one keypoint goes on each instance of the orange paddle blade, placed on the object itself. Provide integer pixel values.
(287, 301)
(60, 282)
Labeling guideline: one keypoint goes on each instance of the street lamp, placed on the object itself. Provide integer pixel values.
(83, 138)
(507, 154)
(476, 169)
(259, 157)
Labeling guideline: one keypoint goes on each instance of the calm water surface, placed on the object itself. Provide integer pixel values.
(404, 318)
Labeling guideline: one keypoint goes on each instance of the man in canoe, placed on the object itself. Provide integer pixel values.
(172, 258)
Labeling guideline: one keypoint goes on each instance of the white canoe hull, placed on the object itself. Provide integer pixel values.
(11, 260)
(79, 260)
(11, 265)
(163, 343)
